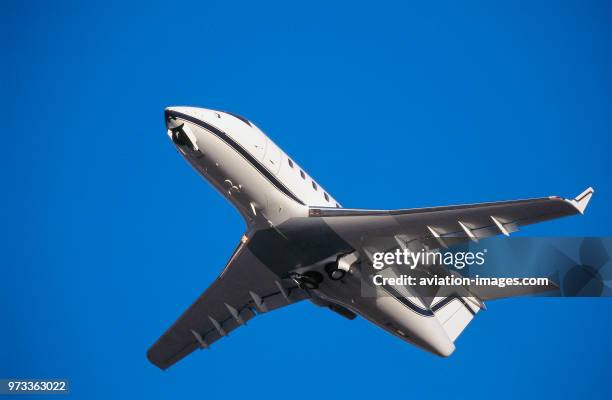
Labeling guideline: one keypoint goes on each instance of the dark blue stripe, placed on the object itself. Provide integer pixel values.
(421, 311)
(448, 299)
(425, 311)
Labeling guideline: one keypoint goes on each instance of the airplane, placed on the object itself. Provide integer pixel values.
(300, 243)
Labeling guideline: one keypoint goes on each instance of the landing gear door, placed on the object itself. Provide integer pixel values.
(272, 158)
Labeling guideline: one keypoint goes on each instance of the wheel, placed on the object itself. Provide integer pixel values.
(333, 272)
(307, 282)
(314, 275)
(337, 274)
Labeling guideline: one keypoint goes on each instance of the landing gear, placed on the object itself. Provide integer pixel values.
(333, 272)
(337, 270)
(308, 280)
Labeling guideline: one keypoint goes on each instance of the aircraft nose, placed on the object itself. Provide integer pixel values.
(180, 134)
(170, 114)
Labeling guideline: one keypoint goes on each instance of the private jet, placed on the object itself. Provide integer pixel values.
(300, 243)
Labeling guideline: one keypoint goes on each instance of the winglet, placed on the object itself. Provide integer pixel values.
(582, 200)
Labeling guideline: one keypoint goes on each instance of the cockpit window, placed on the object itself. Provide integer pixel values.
(241, 118)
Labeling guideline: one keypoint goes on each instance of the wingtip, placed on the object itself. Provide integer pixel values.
(154, 360)
(582, 200)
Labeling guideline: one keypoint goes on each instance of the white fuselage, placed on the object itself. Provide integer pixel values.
(249, 169)
(268, 188)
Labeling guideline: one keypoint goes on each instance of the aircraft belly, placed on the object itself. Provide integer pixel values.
(412, 325)
(391, 314)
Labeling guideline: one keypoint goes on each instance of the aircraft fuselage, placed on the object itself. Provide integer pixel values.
(269, 189)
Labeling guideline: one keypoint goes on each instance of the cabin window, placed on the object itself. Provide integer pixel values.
(314, 185)
(326, 196)
(290, 162)
(337, 205)
(302, 174)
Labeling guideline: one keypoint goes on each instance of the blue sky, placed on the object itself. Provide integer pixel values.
(109, 235)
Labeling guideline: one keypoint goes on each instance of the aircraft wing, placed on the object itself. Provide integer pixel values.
(383, 230)
(244, 289)
(371, 231)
